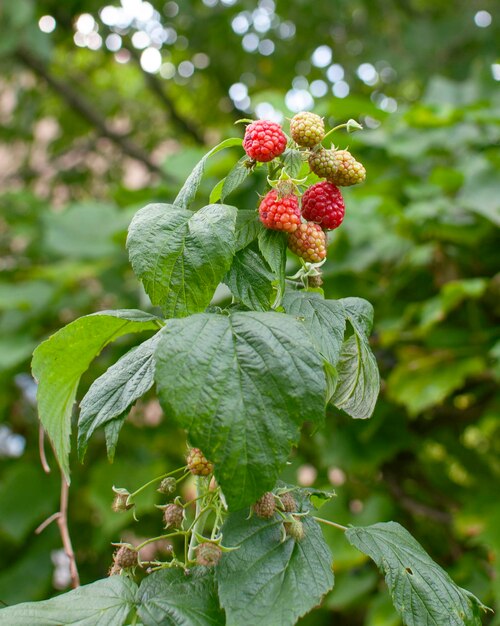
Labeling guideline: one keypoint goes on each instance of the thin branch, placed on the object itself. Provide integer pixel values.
(329, 523)
(47, 522)
(41, 450)
(156, 86)
(62, 522)
(78, 102)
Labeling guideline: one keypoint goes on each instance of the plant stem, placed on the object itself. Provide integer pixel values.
(328, 523)
(155, 480)
(160, 537)
(200, 516)
(62, 522)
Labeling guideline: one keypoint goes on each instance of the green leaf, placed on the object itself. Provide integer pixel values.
(248, 227)
(111, 433)
(359, 380)
(292, 160)
(272, 244)
(107, 601)
(250, 280)
(113, 393)
(267, 581)
(172, 598)
(244, 383)
(233, 180)
(324, 320)
(426, 381)
(188, 192)
(59, 362)
(421, 591)
(181, 256)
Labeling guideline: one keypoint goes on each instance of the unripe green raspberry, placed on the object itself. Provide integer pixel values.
(295, 529)
(348, 171)
(307, 129)
(125, 557)
(208, 554)
(168, 486)
(173, 515)
(119, 504)
(323, 163)
(265, 506)
(288, 503)
(198, 464)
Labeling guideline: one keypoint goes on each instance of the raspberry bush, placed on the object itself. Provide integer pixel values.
(241, 379)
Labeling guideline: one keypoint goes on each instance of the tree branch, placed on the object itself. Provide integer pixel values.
(152, 81)
(83, 106)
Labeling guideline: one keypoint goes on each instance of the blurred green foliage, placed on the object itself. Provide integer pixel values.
(420, 241)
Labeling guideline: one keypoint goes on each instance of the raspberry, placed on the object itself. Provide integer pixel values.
(264, 140)
(125, 557)
(265, 506)
(348, 171)
(315, 280)
(323, 203)
(173, 515)
(208, 554)
(168, 486)
(198, 464)
(307, 129)
(323, 163)
(280, 212)
(288, 503)
(308, 242)
(120, 501)
(295, 529)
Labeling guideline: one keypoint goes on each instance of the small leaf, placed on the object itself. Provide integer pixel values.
(250, 280)
(172, 598)
(324, 320)
(236, 176)
(292, 160)
(181, 256)
(107, 601)
(272, 244)
(421, 591)
(244, 383)
(216, 192)
(59, 362)
(248, 227)
(267, 581)
(113, 393)
(188, 192)
(359, 381)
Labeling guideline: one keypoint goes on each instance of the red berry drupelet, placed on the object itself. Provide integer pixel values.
(280, 212)
(323, 203)
(264, 141)
(308, 242)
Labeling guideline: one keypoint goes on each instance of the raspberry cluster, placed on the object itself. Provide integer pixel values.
(321, 207)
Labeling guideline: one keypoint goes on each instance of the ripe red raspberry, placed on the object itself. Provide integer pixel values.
(265, 506)
(264, 140)
(125, 557)
(288, 503)
(280, 212)
(173, 515)
(348, 171)
(198, 464)
(208, 554)
(323, 163)
(308, 242)
(307, 129)
(323, 203)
